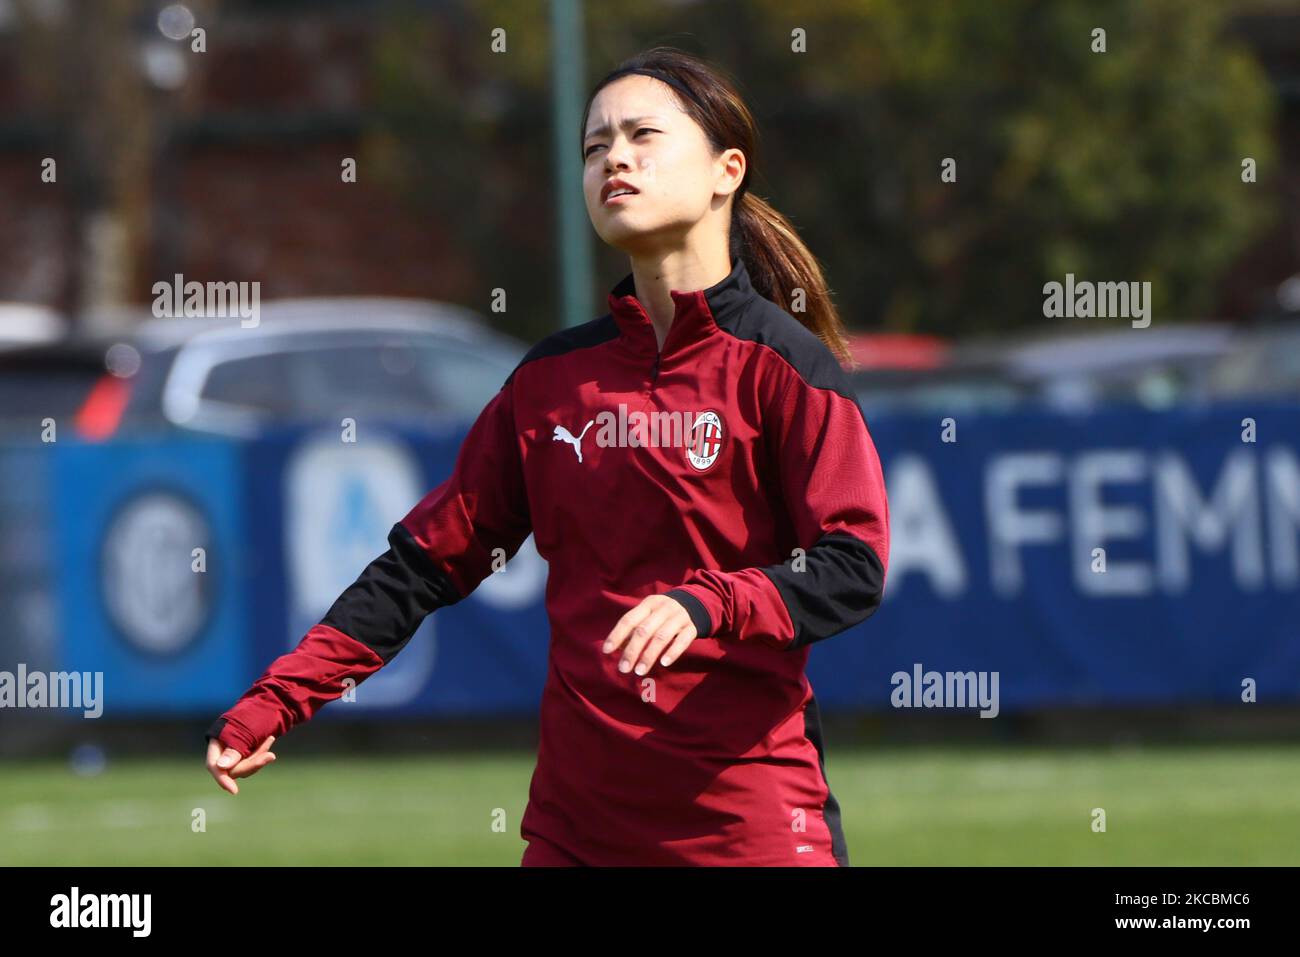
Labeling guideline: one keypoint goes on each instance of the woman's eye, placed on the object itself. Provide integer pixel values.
(644, 129)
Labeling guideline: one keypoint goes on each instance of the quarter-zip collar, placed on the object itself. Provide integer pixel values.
(695, 314)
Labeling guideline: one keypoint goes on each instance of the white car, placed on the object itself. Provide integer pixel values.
(306, 360)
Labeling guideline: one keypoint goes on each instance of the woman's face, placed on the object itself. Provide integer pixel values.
(637, 132)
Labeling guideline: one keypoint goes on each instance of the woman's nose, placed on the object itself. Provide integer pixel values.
(616, 158)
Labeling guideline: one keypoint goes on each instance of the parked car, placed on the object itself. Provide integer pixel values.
(1266, 362)
(1155, 367)
(1072, 372)
(50, 380)
(930, 374)
(306, 360)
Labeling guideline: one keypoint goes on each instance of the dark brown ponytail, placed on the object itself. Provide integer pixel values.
(780, 266)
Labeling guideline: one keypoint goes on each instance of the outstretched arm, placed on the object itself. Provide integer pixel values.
(438, 553)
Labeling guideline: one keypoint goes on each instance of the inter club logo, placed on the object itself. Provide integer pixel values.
(705, 440)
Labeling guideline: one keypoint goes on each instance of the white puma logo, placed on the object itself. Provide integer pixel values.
(562, 434)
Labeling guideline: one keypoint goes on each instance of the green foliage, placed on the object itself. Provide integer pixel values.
(1122, 166)
(1115, 166)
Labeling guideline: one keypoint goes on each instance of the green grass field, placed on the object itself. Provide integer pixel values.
(1217, 805)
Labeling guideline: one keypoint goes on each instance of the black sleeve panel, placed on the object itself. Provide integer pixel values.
(840, 584)
(392, 595)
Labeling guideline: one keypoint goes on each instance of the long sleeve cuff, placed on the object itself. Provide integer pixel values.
(700, 617)
(229, 733)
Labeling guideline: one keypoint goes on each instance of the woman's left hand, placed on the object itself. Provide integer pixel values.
(658, 622)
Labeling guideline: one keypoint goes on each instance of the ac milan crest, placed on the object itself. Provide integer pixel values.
(705, 440)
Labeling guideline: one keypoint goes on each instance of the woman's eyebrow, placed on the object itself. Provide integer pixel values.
(632, 121)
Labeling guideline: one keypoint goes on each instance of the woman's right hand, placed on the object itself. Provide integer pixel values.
(225, 764)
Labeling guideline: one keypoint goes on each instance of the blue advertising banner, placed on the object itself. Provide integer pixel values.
(1124, 557)
(153, 570)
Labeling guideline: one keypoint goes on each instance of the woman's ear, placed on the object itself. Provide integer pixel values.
(732, 167)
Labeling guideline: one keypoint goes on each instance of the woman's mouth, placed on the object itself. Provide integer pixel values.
(618, 196)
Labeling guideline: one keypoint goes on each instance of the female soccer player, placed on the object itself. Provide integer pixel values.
(700, 478)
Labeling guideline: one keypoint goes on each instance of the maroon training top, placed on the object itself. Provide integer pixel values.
(733, 471)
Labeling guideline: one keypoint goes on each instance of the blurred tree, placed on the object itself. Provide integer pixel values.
(73, 64)
(1122, 165)
(101, 77)
(465, 132)
(1115, 166)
